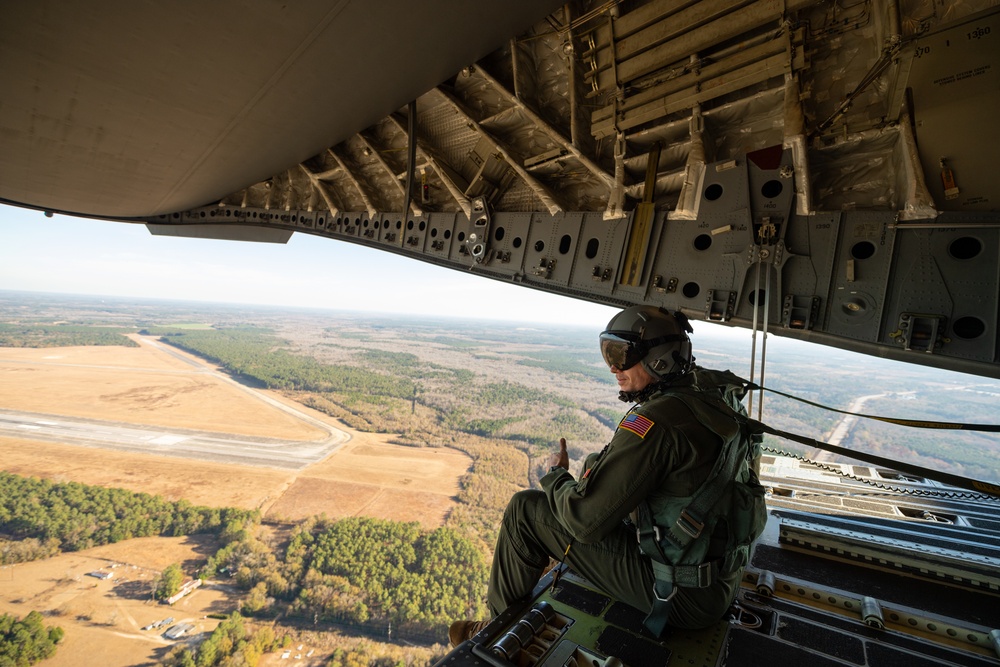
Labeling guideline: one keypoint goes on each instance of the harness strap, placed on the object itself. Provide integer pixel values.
(688, 527)
(663, 600)
(691, 522)
(689, 576)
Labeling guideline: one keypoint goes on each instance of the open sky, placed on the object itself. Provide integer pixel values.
(82, 256)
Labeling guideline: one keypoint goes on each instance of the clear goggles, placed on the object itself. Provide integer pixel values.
(623, 350)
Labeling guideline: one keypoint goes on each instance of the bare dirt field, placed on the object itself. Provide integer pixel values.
(374, 478)
(140, 385)
(102, 619)
(200, 482)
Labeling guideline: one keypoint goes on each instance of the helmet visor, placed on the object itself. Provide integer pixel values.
(619, 351)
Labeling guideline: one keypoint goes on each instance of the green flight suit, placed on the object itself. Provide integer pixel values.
(672, 456)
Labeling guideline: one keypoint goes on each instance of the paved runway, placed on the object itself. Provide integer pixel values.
(180, 442)
(185, 443)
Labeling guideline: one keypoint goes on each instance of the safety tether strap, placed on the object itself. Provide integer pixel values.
(936, 475)
(914, 423)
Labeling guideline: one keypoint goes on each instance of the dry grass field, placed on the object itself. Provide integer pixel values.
(146, 385)
(102, 619)
(143, 385)
(150, 386)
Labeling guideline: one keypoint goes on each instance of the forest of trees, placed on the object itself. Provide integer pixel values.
(359, 571)
(26, 641)
(61, 335)
(374, 393)
(260, 357)
(39, 518)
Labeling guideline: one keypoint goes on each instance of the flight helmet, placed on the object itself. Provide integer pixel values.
(654, 337)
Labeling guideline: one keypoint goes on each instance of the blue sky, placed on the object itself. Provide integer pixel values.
(83, 256)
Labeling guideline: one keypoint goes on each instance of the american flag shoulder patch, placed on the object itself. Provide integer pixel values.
(637, 424)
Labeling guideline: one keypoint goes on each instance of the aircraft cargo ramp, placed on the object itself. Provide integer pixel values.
(857, 566)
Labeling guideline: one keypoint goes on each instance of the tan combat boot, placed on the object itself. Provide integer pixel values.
(459, 631)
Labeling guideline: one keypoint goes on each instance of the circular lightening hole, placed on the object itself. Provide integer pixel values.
(409, 225)
(702, 242)
(434, 232)
(691, 290)
(499, 233)
(422, 226)
(756, 297)
(447, 234)
(516, 242)
(969, 327)
(965, 247)
(539, 246)
(771, 189)
(863, 250)
(713, 192)
(461, 236)
(592, 246)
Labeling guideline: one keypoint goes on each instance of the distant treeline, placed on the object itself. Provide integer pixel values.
(62, 335)
(562, 362)
(360, 571)
(39, 518)
(501, 409)
(27, 641)
(262, 358)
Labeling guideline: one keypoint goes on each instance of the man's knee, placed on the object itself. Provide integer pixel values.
(524, 504)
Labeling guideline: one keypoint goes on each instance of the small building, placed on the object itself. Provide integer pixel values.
(185, 589)
(178, 631)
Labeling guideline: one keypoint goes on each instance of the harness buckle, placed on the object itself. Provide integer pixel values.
(655, 531)
(673, 592)
(704, 574)
(689, 525)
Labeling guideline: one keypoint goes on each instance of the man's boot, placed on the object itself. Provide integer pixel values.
(459, 631)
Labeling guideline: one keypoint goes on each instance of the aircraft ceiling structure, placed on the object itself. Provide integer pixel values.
(821, 170)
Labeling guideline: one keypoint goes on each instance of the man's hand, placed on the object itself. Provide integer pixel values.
(561, 458)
